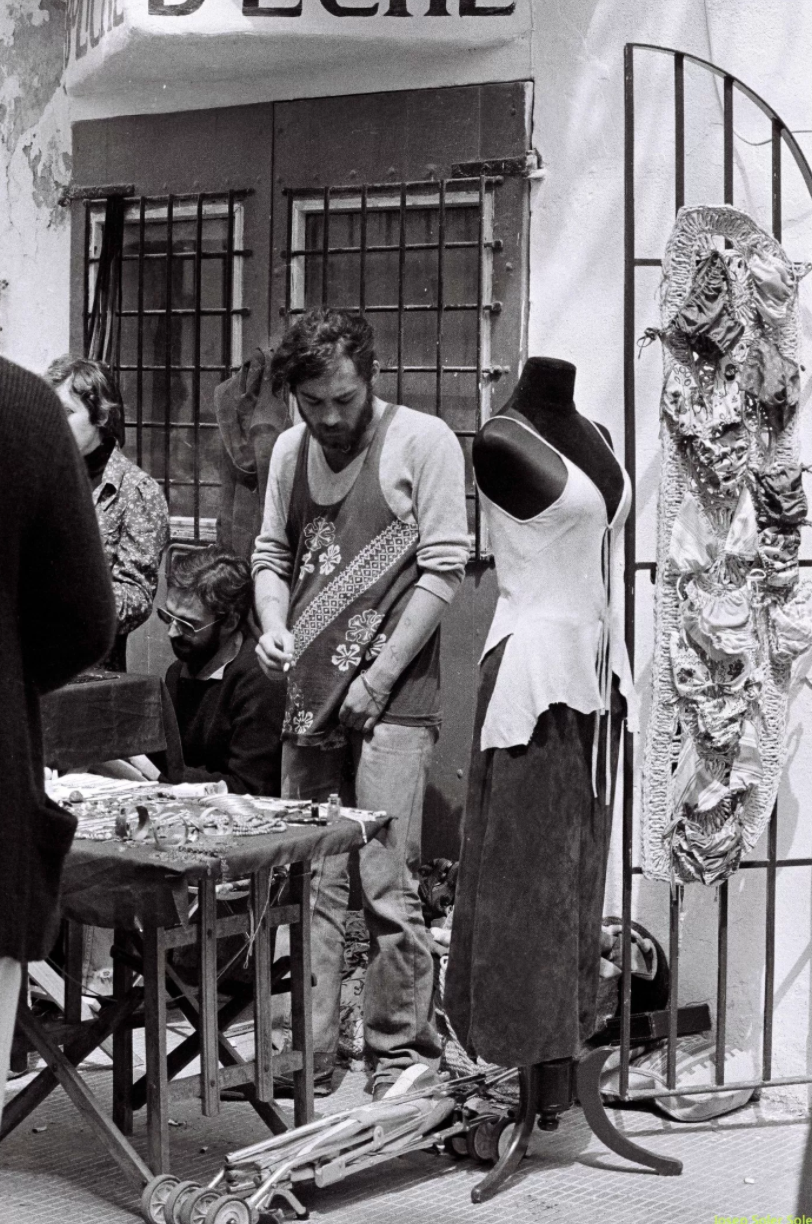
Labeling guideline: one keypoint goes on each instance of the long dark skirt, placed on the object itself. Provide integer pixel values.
(522, 978)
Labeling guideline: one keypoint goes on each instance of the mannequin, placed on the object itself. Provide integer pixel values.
(522, 976)
(522, 473)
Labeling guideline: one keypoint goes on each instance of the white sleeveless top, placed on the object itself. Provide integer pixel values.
(560, 578)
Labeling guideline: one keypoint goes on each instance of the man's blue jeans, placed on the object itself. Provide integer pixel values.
(384, 770)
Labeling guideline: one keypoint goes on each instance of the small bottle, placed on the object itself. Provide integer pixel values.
(333, 808)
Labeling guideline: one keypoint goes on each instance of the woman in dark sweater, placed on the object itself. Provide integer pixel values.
(56, 617)
(130, 507)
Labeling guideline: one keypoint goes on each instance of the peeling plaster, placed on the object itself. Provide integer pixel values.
(30, 44)
(35, 167)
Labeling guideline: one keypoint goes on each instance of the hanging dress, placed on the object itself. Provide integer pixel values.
(522, 976)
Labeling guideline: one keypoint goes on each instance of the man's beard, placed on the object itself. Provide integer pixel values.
(196, 657)
(349, 440)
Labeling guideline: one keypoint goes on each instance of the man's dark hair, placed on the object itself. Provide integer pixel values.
(316, 342)
(220, 580)
(97, 388)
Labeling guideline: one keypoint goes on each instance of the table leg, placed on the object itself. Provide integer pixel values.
(89, 1038)
(122, 1042)
(61, 1069)
(263, 953)
(301, 1003)
(155, 1049)
(74, 964)
(208, 1027)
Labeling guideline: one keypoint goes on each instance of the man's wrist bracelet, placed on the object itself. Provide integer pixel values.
(378, 698)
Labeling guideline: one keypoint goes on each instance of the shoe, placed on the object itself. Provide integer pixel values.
(322, 1084)
(409, 1080)
(380, 1088)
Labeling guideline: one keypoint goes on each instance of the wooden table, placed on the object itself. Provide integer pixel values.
(157, 901)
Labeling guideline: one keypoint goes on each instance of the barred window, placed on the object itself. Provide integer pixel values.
(179, 333)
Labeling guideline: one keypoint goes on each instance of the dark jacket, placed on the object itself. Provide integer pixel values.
(250, 420)
(57, 617)
(230, 728)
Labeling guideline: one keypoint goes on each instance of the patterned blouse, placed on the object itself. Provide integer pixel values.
(134, 523)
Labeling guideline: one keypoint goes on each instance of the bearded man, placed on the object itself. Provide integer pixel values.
(363, 545)
(229, 716)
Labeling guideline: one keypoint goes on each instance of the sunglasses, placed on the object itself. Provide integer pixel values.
(184, 626)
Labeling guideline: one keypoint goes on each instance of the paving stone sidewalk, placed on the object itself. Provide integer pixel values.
(53, 1171)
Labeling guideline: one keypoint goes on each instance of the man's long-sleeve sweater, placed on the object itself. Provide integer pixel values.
(230, 726)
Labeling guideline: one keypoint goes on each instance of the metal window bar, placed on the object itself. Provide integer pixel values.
(325, 253)
(438, 351)
(152, 219)
(139, 358)
(780, 136)
(480, 286)
(86, 288)
(119, 304)
(401, 274)
(170, 209)
(198, 294)
(361, 200)
(362, 272)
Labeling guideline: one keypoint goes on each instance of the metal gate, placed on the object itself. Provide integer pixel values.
(779, 137)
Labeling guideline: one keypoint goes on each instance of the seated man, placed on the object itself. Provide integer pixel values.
(229, 716)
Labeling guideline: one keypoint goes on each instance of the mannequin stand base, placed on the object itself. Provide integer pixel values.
(588, 1074)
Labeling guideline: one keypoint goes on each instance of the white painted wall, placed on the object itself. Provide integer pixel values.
(574, 52)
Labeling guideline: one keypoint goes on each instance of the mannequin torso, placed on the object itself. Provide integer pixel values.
(518, 470)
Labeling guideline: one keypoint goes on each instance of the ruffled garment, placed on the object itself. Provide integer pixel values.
(790, 626)
(774, 284)
(779, 495)
(717, 682)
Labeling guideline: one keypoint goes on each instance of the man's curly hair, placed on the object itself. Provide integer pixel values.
(315, 342)
(219, 579)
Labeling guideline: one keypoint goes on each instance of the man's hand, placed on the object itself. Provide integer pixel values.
(275, 650)
(362, 707)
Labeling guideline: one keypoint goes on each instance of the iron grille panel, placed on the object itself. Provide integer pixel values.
(179, 333)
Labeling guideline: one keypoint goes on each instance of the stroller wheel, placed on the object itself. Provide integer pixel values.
(177, 1198)
(231, 1210)
(154, 1198)
(504, 1134)
(456, 1146)
(483, 1141)
(196, 1206)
